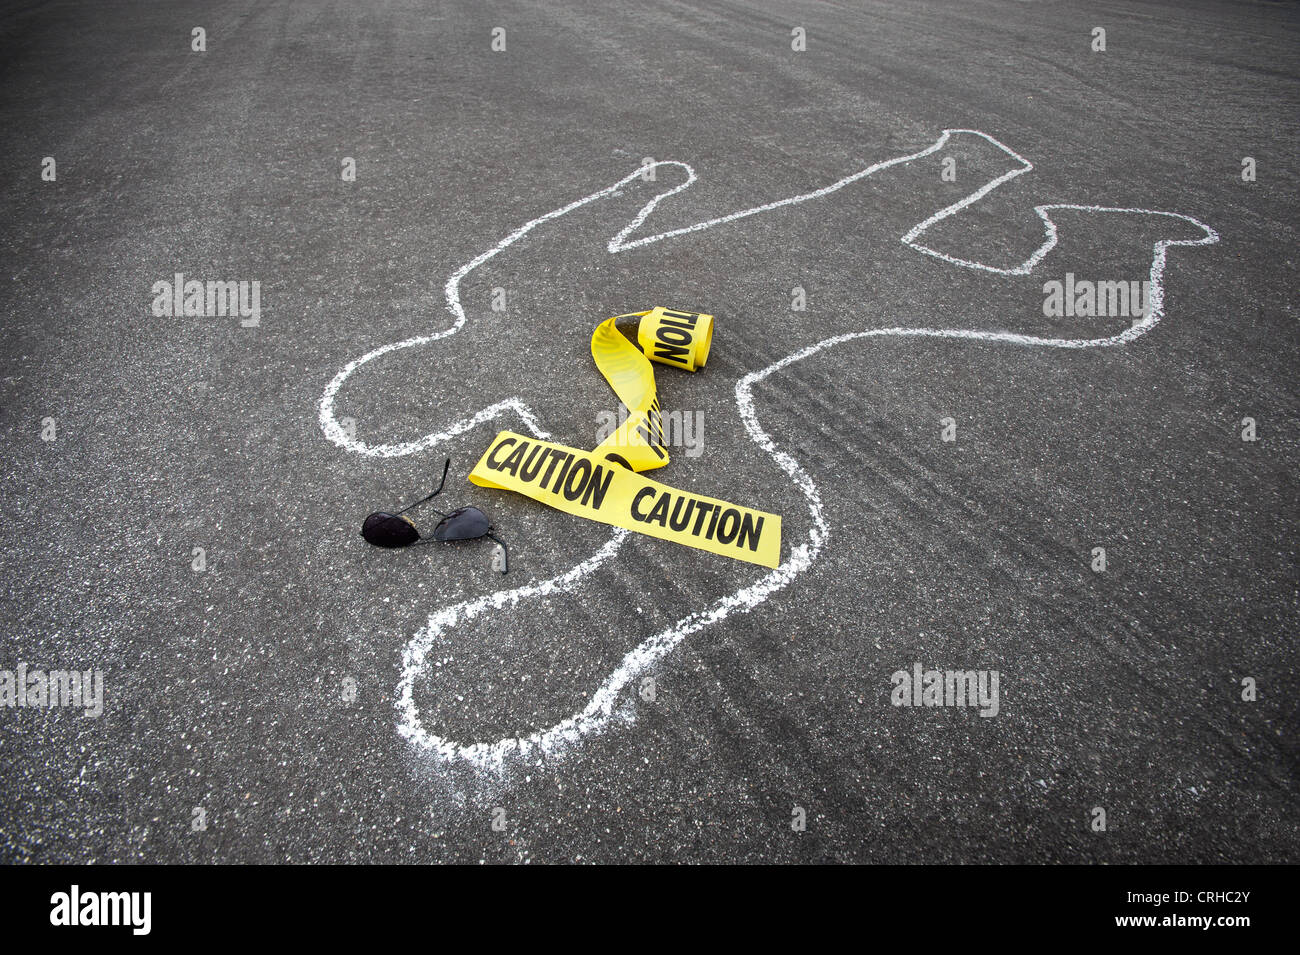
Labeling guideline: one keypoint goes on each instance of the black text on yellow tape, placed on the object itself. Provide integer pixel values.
(589, 485)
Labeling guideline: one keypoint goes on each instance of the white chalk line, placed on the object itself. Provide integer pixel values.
(602, 706)
(451, 291)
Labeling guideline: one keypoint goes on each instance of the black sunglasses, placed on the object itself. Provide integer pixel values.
(468, 523)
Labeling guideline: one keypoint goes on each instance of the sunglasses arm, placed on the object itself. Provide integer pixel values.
(430, 497)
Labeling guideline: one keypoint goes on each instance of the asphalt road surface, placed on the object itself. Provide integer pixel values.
(181, 512)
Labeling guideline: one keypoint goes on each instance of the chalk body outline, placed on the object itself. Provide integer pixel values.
(603, 706)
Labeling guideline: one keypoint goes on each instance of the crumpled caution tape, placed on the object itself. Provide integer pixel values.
(604, 484)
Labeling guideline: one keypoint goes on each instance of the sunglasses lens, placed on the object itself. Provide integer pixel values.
(465, 524)
(387, 530)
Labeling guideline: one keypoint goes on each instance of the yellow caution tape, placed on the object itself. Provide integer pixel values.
(675, 338)
(592, 486)
(603, 485)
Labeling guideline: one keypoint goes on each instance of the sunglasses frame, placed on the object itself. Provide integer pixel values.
(421, 539)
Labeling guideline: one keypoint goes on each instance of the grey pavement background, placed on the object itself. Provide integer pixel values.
(1120, 690)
